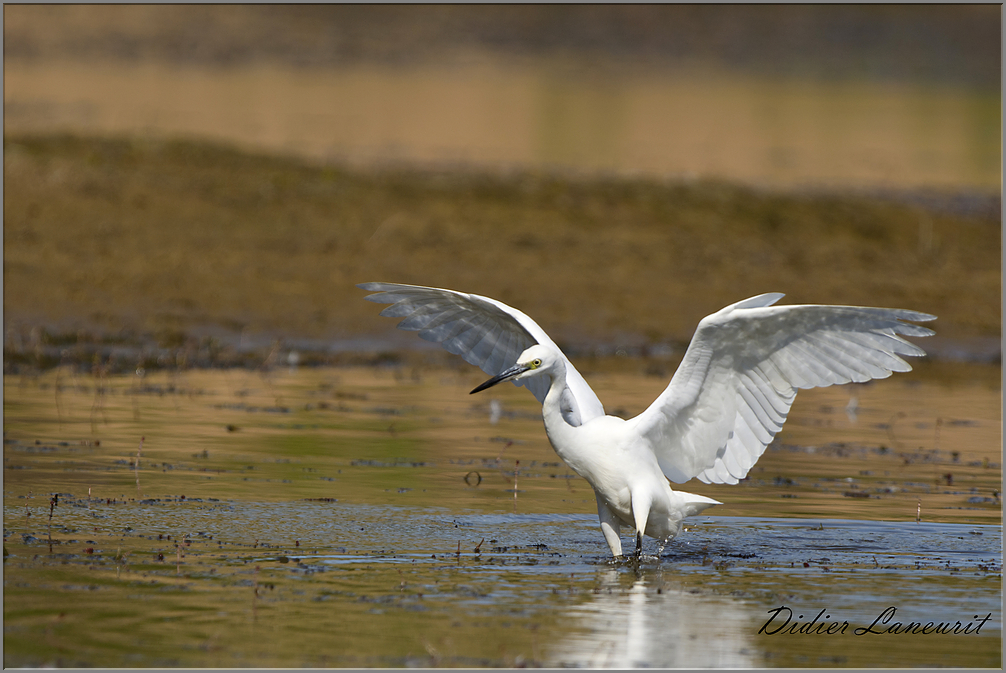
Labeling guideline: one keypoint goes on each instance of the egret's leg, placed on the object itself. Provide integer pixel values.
(609, 526)
(639, 544)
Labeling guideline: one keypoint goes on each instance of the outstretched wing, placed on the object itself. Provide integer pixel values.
(485, 332)
(739, 377)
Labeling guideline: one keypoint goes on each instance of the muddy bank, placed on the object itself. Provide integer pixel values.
(199, 247)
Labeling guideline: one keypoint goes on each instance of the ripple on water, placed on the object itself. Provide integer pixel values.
(436, 572)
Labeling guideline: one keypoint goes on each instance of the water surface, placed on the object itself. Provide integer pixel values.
(538, 114)
(379, 517)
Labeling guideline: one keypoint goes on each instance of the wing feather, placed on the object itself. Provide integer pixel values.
(486, 346)
(494, 357)
(840, 360)
(761, 391)
(450, 329)
(755, 415)
(430, 318)
(463, 343)
(485, 332)
(740, 374)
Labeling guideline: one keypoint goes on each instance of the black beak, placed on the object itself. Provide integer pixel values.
(505, 376)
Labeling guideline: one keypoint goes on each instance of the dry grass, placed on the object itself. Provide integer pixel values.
(163, 238)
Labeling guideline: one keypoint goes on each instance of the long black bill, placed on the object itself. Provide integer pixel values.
(508, 374)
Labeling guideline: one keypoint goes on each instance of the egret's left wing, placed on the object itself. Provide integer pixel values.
(739, 377)
(485, 332)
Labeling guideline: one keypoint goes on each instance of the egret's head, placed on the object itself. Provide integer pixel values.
(535, 361)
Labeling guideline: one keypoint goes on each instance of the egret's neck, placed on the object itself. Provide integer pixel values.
(560, 412)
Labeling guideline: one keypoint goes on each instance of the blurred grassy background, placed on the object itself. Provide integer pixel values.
(954, 43)
(168, 237)
(131, 229)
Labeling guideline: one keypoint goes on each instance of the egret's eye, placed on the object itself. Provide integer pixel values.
(535, 363)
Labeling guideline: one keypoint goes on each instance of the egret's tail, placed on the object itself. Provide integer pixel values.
(692, 504)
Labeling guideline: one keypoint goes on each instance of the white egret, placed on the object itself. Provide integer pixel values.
(725, 403)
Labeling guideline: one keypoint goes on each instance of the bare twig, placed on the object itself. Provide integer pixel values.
(136, 467)
(53, 502)
(516, 469)
(255, 596)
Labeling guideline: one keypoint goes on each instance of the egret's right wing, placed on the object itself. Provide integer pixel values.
(739, 377)
(485, 332)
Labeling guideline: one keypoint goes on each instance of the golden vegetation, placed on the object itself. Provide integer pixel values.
(157, 238)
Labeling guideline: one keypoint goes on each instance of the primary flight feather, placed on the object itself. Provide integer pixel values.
(725, 403)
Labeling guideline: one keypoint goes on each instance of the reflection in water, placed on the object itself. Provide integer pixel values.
(654, 626)
(662, 122)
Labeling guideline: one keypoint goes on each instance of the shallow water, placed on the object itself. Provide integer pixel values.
(536, 114)
(335, 584)
(322, 518)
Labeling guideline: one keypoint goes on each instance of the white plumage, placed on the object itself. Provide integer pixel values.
(723, 406)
